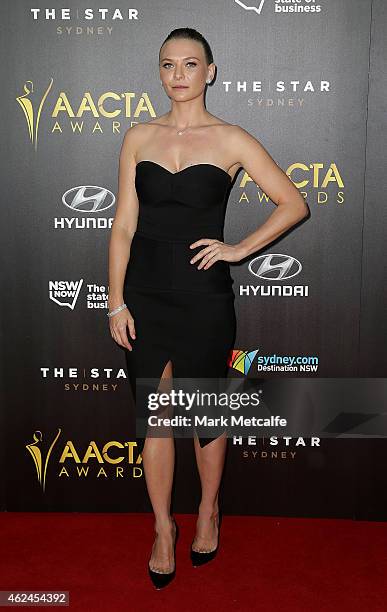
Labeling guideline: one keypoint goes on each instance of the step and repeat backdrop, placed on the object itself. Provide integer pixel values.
(307, 79)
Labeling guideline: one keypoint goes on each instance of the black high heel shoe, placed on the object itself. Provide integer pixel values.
(161, 580)
(200, 558)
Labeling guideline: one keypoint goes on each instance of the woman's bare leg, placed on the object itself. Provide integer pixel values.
(210, 462)
(159, 461)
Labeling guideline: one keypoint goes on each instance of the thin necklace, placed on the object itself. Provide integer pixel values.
(181, 132)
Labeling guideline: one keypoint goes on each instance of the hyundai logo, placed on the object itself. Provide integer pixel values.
(88, 198)
(275, 266)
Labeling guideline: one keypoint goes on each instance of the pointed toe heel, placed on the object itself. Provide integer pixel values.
(201, 558)
(161, 580)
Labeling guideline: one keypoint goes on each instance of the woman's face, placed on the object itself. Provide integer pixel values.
(183, 63)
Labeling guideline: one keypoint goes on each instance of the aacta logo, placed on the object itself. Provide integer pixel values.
(73, 463)
(109, 105)
(32, 114)
(241, 360)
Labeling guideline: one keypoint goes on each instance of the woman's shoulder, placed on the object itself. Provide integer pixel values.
(157, 121)
(235, 128)
(135, 134)
(239, 134)
(137, 128)
(218, 122)
(232, 129)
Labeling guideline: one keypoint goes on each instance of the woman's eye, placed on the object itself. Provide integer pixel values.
(188, 63)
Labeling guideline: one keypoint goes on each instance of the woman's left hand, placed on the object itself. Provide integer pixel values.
(215, 251)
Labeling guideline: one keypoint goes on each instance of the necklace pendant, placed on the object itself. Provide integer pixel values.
(179, 133)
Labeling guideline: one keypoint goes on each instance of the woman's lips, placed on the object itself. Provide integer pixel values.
(179, 86)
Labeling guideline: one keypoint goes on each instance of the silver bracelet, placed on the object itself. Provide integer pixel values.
(116, 310)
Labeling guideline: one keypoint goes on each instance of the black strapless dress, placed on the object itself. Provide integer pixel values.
(180, 313)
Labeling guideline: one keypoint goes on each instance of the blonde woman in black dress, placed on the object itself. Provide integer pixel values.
(171, 303)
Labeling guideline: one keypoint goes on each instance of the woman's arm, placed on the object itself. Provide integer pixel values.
(262, 169)
(125, 220)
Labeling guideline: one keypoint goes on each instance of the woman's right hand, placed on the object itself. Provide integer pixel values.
(118, 324)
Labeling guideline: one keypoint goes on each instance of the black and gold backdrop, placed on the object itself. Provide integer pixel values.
(307, 78)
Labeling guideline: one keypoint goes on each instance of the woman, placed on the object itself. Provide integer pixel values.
(169, 279)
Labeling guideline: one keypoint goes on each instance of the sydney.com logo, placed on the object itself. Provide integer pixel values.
(273, 362)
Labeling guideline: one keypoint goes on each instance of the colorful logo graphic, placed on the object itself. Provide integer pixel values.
(241, 360)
